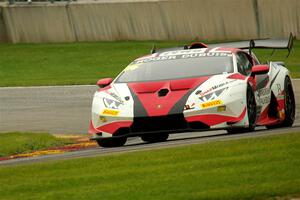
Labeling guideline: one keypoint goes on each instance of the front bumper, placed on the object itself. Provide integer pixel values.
(165, 124)
(198, 118)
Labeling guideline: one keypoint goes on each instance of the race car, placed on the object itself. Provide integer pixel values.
(196, 87)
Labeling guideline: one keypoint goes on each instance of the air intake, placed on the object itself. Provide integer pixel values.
(163, 92)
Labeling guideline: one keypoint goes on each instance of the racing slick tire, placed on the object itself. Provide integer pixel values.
(251, 111)
(112, 142)
(289, 106)
(152, 138)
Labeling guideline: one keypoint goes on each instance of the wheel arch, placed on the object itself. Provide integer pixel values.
(277, 79)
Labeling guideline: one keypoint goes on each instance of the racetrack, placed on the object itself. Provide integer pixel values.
(56, 109)
(66, 109)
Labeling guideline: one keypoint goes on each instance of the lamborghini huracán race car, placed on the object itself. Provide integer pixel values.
(194, 88)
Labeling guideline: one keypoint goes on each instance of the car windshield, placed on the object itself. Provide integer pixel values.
(171, 67)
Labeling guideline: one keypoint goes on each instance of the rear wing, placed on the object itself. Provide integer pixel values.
(252, 44)
(260, 44)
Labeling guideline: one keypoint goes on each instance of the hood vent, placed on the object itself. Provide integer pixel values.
(163, 92)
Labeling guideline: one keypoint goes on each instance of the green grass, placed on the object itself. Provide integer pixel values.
(256, 168)
(15, 142)
(85, 63)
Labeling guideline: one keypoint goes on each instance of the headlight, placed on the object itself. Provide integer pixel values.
(109, 103)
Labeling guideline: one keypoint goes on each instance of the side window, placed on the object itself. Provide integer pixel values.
(243, 63)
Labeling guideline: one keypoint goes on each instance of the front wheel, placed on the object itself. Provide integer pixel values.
(112, 142)
(152, 138)
(251, 111)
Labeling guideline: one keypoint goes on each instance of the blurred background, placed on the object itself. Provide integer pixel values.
(42, 21)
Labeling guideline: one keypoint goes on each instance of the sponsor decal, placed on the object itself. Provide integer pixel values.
(116, 97)
(212, 96)
(216, 87)
(263, 92)
(221, 108)
(198, 92)
(211, 104)
(110, 112)
(174, 55)
(200, 52)
(160, 58)
(264, 100)
(189, 106)
(264, 96)
(102, 119)
(279, 90)
(182, 52)
(205, 92)
(109, 103)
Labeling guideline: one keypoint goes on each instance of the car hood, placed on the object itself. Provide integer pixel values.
(167, 97)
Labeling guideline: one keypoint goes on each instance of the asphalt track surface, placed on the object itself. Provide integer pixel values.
(55, 109)
(66, 109)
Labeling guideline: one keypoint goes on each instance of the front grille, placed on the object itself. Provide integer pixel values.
(161, 123)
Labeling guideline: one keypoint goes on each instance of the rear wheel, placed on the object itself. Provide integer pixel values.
(152, 138)
(112, 142)
(251, 111)
(289, 106)
(289, 103)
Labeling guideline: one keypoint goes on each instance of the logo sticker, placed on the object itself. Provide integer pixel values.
(189, 106)
(102, 119)
(110, 112)
(109, 103)
(211, 104)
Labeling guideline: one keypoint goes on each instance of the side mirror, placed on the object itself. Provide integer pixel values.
(260, 69)
(104, 82)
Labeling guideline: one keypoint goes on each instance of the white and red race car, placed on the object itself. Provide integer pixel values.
(194, 88)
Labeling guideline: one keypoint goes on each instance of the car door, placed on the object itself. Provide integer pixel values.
(262, 89)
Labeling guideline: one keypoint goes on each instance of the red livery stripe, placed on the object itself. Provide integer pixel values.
(114, 126)
(156, 105)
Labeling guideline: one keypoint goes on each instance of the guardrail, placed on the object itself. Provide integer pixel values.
(149, 20)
